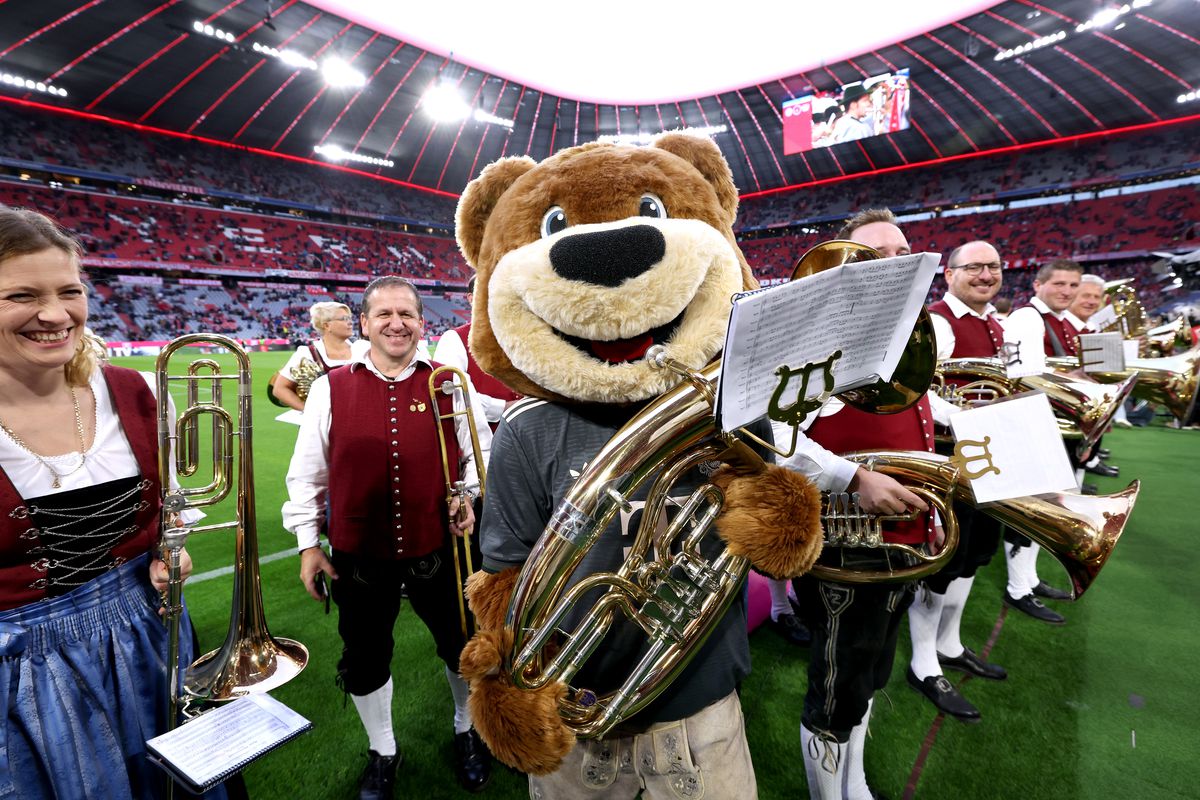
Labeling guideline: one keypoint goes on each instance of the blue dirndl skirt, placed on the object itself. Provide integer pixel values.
(83, 685)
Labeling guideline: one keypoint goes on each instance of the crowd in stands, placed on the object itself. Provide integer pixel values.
(1172, 150)
(60, 140)
(127, 228)
(120, 310)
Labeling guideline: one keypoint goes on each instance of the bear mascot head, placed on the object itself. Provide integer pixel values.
(584, 262)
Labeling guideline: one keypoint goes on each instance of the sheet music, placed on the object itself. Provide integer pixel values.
(866, 310)
(221, 741)
(291, 417)
(1032, 462)
(1103, 318)
(1102, 352)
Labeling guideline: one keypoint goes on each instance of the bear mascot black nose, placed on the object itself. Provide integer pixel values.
(608, 258)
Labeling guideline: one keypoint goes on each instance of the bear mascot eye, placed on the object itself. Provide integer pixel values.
(652, 206)
(554, 221)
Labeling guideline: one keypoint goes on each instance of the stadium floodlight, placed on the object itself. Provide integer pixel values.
(645, 137)
(338, 73)
(335, 153)
(26, 84)
(491, 119)
(443, 103)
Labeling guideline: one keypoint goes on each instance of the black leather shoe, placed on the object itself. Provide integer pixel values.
(379, 777)
(972, 664)
(1105, 470)
(791, 628)
(943, 695)
(1088, 488)
(1047, 591)
(1103, 452)
(1035, 608)
(472, 761)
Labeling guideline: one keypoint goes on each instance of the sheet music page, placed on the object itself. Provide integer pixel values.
(1103, 318)
(1025, 454)
(291, 417)
(222, 740)
(1102, 352)
(866, 310)
(1024, 336)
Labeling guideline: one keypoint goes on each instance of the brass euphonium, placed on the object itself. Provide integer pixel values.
(666, 586)
(1083, 408)
(1170, 381)
(1079, 530)
(250, 660)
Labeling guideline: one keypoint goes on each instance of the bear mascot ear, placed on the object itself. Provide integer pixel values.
(703, 154)
(479, 200)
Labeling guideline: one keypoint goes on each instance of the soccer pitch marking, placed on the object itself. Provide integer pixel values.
(223, 571)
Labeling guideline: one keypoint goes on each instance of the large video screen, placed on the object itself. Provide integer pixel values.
(869, 107)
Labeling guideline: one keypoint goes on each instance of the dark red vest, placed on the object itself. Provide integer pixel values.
(973, 337)
(20, 580)
(1063, 331)
(387, 493)
(482, 381)
(850, 429)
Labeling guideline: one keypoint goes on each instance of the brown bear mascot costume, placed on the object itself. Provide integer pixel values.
(583, 263)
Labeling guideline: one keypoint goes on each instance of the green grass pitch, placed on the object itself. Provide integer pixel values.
(1105, 707)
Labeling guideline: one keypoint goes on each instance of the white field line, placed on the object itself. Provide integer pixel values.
(223, 571)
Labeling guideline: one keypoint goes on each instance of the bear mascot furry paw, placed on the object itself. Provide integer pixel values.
(583, 262)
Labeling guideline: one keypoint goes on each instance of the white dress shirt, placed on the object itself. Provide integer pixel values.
(308, 474)
(943, 332)
(452, 351)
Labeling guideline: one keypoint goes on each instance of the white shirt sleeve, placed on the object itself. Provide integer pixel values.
(308, 474)
(943, 336)
(828, 471)
(452, 351)
(941, 409)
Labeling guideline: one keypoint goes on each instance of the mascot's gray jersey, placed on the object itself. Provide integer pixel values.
(538, 451)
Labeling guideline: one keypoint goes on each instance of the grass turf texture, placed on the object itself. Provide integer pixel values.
(1099, 708)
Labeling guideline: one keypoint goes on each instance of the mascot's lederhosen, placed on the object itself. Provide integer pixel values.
(83, 673)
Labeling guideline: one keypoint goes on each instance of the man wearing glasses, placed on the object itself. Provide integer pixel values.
(964, 326)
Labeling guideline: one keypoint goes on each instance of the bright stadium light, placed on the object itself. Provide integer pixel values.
(338, 73)
(646, 137)
(26, 84)
(483, 116)
(335, 153)
(444, 103)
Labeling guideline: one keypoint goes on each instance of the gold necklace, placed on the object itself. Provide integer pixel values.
(58, 476)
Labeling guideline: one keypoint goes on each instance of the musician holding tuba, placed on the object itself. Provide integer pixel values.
(368, 446)
(334, 324)
(855, 626)
(83, 673)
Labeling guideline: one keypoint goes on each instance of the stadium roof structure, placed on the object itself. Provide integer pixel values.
(280, 75)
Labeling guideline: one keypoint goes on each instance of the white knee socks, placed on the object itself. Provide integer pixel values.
(923, 617)
(1022, 570)
(460, 691)
(824, 763)
(375, 711)
(779, 597)
(856, 777)
(949, 642)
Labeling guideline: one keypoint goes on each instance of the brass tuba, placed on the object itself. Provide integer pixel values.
(250, 660)
(1079, 530)
(1170, 381)
(1083, 408)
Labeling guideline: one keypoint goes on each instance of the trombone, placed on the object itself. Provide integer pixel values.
(447, 380)
(250, 660)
